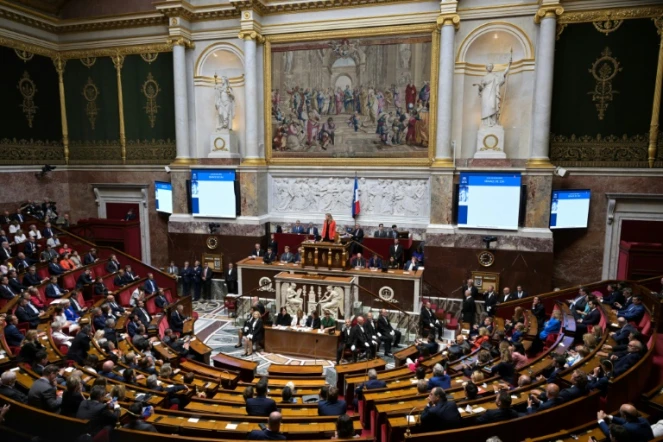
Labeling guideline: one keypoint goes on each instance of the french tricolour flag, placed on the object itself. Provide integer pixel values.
(356, 208)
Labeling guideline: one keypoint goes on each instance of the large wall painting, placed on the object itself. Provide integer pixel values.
(346, 97)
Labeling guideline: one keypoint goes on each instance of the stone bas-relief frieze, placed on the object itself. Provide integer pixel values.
(378, 196)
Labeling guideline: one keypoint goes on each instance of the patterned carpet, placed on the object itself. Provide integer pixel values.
(219, 332)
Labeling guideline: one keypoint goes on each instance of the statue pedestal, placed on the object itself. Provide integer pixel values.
(490, 143)
(223, 144)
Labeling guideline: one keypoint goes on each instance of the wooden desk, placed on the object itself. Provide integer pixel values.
(246, 369)
(408, 352)
(344, 370)
(226, 379)
(326, 255)
(295, 370)
(200, 348)
(301, 343)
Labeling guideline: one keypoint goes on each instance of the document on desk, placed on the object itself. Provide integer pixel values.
(478, 410)
(231, 427)
(193, 420)
(411, 419)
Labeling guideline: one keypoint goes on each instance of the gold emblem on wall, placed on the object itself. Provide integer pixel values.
(151, 90)
(149, 57)
(28, 90)
(88, 62)
(220, 144)
(486, 258)
(24, 55)
(91, 93)
(604, 70)
(212, 242)
(607, 26)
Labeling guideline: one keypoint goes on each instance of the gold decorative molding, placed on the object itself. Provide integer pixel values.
(255, 162)
(602, 15)
(26, 47)
(60, 64)
(448, 19)
(114, 51)
(560, 29)
(110, 23)
(607, 26)
(150, 90)
(251, 35)
(656, 108)
(548, 12)
(181, 41)
(118, 61)
(539, 163)
(24, 55)
(95, 152)
(604, 70)
(91, 93)
(443, 163)
(31, 151)
(28, 90)
(151, 151)
(88, 62)
(149, 57)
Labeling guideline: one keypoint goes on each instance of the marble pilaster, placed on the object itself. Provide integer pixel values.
(254, 194)
(539, 190)
(251, 151)
(442, 187)
(181, 103)
(443, 153)
(178, 177)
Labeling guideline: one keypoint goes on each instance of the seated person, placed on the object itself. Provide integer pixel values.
(550, 399)
(283, 318)
(578, 388)
(287, 256)
(313, 321)
(260, 405)
(358, 261)
(270, 256)
(440, 378)
(375, 262)
(333, 406)
(502, 413)
(633, 312)
(439, 414)
(636, 428)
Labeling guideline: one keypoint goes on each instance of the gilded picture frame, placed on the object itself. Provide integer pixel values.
(345, 36)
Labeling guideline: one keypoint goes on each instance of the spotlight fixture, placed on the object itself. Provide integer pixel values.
(44, 170)
(488, 240)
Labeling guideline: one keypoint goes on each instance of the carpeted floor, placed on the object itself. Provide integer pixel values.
(219, 332)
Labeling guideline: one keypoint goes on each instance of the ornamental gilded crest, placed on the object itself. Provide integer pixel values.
(28, 90)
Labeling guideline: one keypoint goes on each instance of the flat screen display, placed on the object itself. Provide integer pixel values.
(569, 209)
(489, 200)
(164, 196)
(213, 193)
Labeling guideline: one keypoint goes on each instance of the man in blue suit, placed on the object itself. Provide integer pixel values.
(372, 383)
(625, 329)
(613, 296)
(6, 291)
(107, 371)
(54, 268)
(98, 320)
(186, 274)
(633, 312)
(622, 363)
(12, 335)
(161, 301)
(439, 414)
(298, 228)
(312, 230)
(177, 319)
(197, 273)
(333, 406)
(260, 405)
(637, 427)
(412, 265)
(592, 318)
(439, 378)
(550, 400)
(151, 285)
(31, 278)
(53, 290)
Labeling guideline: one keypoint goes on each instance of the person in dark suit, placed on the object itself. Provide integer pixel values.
(380, 232)
(25, 314)
(358, 261)
(440, 378)
(100, 288)
(621, 336)
(578, 304)
(138, 412)
(260, 405)
(613, 296)
(396, 251)
(161, 301)
(53, 290)
(132, 324)
(6, 291)
(469, 285)
(520, 293)
(31, 247)
(273, 243)
(634, 353)
(257, 252)
(578, 388)
(439, 414)
(430, 345)
(150, 285)
(372, 384)
(7, 388)
(357, 235)
(84, 279)
(386, 333)
(270, 256)
(634, 312)
(186, 274)
(333, 406)
(361, 341)
(375, 262)
(283, 318)
(287, 256)
(469, 308)
(177, 319)
(428, 320)
(197, 274)
(490, 301)
(412, 265)
(54, 268)
(115, 308)
(502, 413)
(90, 257)
(253, 334)
(592, 318)
(206, 276)
(99, 414)
(130, 215)
(142, 314)
(230, 276)
(506, 295)
(120, 279)
(48, 231)
(129, 275)
(272, 432)
(12, 335)
(5, 251)
(14, 282)
(538, 311)
(312, 230)
(550, 399)
(31, 278)
(298, 228)
(113, 265)
(80, 346)
(637, 428)
(43, 394)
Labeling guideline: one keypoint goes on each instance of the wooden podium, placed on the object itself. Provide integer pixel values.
(325, 255)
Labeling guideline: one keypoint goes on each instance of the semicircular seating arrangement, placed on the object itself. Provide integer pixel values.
(193, 400)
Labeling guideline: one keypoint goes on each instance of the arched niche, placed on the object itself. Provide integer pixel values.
(222, 59)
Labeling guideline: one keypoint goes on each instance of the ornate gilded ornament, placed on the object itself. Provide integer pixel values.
(91, 93)
(28, 90)
(212, 242)
(604, 70)
(24, 55)
(149, 57)
(386, 293)
(607, 26)
(220, 144)
(151, 89)
(490, 142)
(88, 62)
(486, 258)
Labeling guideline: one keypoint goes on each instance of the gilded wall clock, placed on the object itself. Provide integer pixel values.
(212, 242)
(486, 259)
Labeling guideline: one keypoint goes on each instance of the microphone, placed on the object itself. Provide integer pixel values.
(407, 418)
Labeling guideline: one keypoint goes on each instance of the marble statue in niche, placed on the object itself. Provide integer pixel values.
(378, 196)
(332, 300)
(292, 297)
(224, 102)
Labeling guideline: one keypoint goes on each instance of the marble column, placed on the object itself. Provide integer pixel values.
(443, 154)
(251, 152)
(543, 85)
(181, 103)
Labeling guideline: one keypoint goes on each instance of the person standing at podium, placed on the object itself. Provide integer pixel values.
(328, 228)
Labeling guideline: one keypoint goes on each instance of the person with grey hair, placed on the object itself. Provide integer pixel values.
(494, 439)
(469, 309)
(172, 396)
(372, 383)
(109, 331)
(7, 388)
(439, 414)
(439, 378)
(59, 337)
(422, 386)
